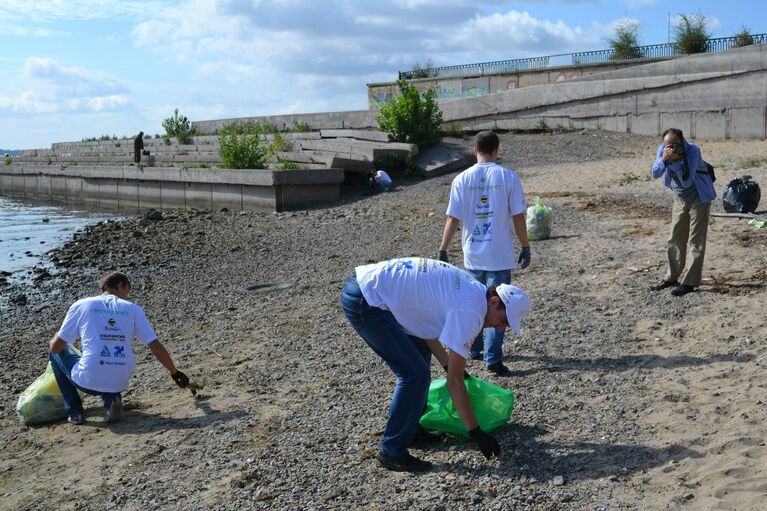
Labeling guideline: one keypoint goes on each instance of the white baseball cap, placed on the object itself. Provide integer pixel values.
(517, 304)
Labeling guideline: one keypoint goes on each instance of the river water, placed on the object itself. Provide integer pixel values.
(29, 229)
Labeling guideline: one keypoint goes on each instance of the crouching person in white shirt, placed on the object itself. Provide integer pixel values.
(106, 326)
(405, 310)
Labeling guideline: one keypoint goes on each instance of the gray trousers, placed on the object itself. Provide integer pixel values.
(689, 226)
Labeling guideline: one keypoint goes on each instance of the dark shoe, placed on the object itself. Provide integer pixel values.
(476, 356)
(407, 464)
(498, 369)
(682, 290)
(115, 412)
(424, 438)
(664, 284)
(76, 419)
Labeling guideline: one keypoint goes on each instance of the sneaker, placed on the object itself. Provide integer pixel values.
(664, 284)
(76, 419)
(682, 290)
(407, 464)
(114, 412)
(498, 369)
(424, 438)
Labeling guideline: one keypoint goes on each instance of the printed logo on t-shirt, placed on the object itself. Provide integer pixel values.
(119, 351)
(105, 352)
(483, 209)
(111, 322)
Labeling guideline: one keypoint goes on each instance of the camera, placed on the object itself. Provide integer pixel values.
(677, 149)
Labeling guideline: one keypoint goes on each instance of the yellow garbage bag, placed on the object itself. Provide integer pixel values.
(42, 401)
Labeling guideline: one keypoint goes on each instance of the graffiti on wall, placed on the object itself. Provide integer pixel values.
(470, 92)
(511, 84)
(563, 77)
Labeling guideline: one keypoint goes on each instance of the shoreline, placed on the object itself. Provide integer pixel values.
(634, 398)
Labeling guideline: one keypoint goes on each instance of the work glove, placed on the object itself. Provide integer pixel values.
(466, 375)
(524, 257)
(180, 378)
(486, 442)
(443, 256)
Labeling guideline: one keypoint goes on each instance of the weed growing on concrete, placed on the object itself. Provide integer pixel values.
(8, 160)
(625, 43)
(691, 34)
(285, 164)
(300, 127)
(743, 37)
(72, 164)
(241, 151)
(412, 116)
(542, 125)
(452, 130)
(628, 178)
(178, 126)
(423, 71)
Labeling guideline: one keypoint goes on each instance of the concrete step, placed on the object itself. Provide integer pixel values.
(373, 135)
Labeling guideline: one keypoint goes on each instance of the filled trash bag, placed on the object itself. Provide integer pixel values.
(539, 218)
(741, 195)
(492, 406)
(42, 401)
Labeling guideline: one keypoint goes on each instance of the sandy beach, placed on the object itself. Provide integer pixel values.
(636, 399)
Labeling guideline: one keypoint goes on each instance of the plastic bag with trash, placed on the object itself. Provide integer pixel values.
(42, 401)
(492, 406)
(539, 218)
(741, 195)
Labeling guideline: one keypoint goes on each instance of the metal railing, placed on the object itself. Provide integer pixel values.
(586, 57)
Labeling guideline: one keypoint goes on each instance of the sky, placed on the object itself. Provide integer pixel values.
(81, 68)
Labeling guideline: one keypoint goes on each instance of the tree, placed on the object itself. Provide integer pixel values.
(625, 44)
(178, 126)
(412, 116)
(691, 34)
(743, 38)
(422, 71)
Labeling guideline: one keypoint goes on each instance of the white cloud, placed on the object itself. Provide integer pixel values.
(49, 10)
(52, 87)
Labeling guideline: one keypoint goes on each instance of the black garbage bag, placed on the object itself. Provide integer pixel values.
(741, 195)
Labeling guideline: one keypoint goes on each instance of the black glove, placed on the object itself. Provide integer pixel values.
(524, 257)
(487, 443)
(466, 375)
(180, 378)
(443, 256)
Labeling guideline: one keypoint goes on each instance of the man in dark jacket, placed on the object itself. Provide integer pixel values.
(138, 146)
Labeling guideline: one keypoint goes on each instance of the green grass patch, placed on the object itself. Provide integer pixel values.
(751, 163)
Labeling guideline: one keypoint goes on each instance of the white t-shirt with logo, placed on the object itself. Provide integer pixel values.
(484, 198)
(106, 326)
(430, 299)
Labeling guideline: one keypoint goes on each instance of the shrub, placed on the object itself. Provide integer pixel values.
(412, 116)
(422, 71)
(285, 164)
(300, 127)
(625, 44)
(241, 150)
(178, 126)
(743, 38)
(691, 35)
(8, 160)
(452, 130)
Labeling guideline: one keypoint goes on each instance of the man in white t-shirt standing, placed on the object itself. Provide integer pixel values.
(106, 326)
(405, 310)
(487, 198)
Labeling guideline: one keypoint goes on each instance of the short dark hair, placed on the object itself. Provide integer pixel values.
(491, 292)
(486, 142)
(112, 280)
(676, 131)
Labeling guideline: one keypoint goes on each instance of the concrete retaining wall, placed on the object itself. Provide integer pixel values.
(708, 96)
(458, 87)
(131, 188)
(354, 119)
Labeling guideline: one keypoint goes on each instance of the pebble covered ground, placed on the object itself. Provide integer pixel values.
(293, 402)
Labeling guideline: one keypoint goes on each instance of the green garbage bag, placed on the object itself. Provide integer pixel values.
(538, 219)
(42, 401)
(492, 406)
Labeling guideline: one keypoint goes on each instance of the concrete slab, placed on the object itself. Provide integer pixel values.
(227, 195)
(747, 123)
(710, 125)
(149, 195)
(197, 195)
(439, 159)
(376, 136)
(646, 124)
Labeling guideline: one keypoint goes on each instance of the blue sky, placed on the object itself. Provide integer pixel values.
(80, 68)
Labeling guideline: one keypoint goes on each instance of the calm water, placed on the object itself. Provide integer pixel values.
(34, 227)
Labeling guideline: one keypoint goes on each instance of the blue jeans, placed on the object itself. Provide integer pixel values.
(491, 340)
(62, 364)
(408, 357)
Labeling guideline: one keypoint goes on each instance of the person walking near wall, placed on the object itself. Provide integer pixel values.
(681, 165)
(138, 146)
(487, 198)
